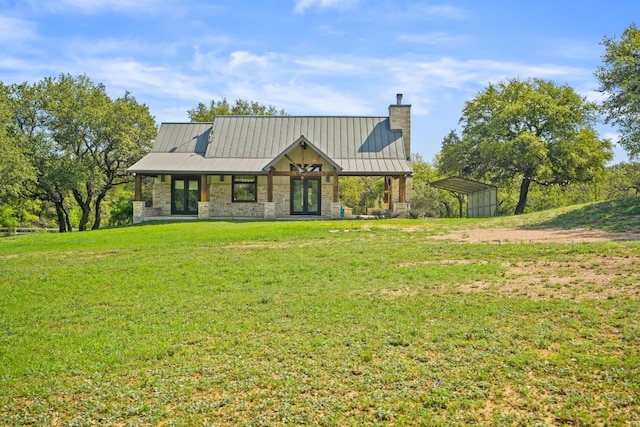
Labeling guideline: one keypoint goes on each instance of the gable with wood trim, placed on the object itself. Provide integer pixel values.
(273, 166)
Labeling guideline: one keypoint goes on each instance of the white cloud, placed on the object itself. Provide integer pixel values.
(304, 98)
(433, 39)
(313, 65)
(454, 73)
(421, 11)
(243, 59)
(303, 5)
(121, 75)
(94, 6)
(16, 30)
(445, 11)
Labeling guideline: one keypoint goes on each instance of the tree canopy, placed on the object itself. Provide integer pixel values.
(619, 78)
(203, 113)
(16, 170)
(532, 130)
(80, 141)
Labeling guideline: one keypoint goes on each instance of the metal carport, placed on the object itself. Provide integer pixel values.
(482, 199)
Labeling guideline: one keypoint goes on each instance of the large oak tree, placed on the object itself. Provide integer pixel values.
(15, 168)
(619, 78)
(81, 141)
(531, 130)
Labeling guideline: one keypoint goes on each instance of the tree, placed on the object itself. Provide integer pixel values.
(361, 192)
(454, 160)
(426, 200)
(624, 180)
(202, 113)
(619, 78)
(534, 131)
(16, 169)
(81, 141)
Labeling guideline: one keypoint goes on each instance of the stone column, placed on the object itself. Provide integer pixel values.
(401, 209)
(138, 211)
(203, 210)
(269, 210)
(336, 207)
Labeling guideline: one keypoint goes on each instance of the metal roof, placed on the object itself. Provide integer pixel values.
(461, 185)
(356, 145)
(183, 138)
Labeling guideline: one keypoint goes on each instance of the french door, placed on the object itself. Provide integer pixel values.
(184, 195)
(305, 196)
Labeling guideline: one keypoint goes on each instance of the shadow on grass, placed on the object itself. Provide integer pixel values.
(616, 216)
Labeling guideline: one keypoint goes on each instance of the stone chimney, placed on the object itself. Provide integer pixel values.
(400, 119)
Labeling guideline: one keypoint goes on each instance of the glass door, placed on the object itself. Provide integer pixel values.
(305, 196)
(185, 192)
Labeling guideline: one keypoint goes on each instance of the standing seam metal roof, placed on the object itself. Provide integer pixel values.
(359, 145)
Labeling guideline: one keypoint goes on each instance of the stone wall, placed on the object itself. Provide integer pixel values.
(162, 196)
(221, 206)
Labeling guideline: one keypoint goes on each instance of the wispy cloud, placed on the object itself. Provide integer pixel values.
(445, 11)
(305, 98)
(302, 5)
(421, 11)
(433, 39)
(472, 74)
(16, 30)
(149, 80)
(95, 6)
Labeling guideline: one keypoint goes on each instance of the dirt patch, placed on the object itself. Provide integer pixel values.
(537, 235)
(578, 280)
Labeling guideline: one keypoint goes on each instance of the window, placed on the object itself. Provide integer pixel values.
(245, 188)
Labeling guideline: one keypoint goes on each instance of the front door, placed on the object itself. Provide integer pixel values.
(305, 196)
(184, 195)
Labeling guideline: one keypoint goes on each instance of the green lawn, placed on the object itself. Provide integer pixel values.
(322, 323)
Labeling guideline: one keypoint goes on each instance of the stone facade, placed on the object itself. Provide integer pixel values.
(138, 212)
(162, 195)
(220, 204)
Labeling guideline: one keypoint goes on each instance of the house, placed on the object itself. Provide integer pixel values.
(273, 166)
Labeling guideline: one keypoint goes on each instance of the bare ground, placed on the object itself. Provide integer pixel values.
(537, 235)
(584, 276)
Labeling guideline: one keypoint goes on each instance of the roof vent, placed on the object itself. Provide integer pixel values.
(399, 98)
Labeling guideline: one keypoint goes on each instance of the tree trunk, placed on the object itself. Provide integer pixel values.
(447, 208)
(98, 211)
(524, 191)
(85, 206)
(62, 225)
(67, 220)
(460, 198)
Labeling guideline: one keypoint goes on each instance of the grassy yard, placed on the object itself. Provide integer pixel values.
(322, 323)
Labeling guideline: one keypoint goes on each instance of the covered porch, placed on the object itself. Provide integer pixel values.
(278, 195)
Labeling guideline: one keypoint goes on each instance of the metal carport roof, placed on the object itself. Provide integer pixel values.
(461, 185)
(482, 199)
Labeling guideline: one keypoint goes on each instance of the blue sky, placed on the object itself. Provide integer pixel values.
(313, 57)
